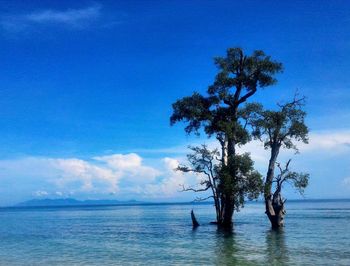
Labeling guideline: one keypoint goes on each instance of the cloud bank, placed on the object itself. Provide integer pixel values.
(124, 176)
(130, 176)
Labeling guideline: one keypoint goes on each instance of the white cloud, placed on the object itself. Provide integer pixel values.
(102, 174)
(334, 142)
(40, 193)
(120, 161)
(76, 170)
(73, 18)
(130, 165)
(346, 182)
(169, 185)
(69, 16)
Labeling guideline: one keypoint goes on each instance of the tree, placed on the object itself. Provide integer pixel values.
(281, 129)
(204, 162)
(239, 77)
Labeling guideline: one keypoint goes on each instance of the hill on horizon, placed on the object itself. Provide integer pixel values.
(71, 202)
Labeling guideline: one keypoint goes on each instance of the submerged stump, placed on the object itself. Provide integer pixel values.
(194, 220)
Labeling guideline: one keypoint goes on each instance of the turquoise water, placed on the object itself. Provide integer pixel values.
(316, 233)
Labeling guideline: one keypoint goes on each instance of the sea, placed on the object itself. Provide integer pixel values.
(316, 232)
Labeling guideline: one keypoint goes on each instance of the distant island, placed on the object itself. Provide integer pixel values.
(73, 202)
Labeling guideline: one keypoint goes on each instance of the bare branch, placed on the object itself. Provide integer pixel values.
(287, 164)
(198, 199)
(194, 189)
(295, 102)
(279, 167)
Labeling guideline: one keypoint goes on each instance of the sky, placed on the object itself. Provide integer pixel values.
(86, 89)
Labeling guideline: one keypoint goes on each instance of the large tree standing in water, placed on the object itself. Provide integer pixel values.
(239, 77)
(281, 129)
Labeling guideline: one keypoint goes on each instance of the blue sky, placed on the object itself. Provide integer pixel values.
(86, 89)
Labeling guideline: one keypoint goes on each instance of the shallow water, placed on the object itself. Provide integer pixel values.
(316, 233)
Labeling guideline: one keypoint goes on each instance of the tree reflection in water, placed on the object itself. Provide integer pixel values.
(241, 247)
(228, 250)
(276, 248)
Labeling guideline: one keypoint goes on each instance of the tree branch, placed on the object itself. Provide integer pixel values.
(194, 190)
(198, 199)
(245, 97)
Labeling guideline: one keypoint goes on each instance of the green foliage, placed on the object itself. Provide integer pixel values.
(242, 72)
(239, 78)
(240, 179)
(194, 110)
(298, 180)
(282, 127)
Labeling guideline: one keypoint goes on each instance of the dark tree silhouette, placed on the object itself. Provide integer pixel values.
(239, 77)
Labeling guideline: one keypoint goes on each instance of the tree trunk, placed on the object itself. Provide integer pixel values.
(227, 200)
(275, 212)
(226, 221)
(228, 146)
(274, 205)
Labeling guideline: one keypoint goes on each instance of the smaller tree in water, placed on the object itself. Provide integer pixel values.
(208, 164)
(281, 129)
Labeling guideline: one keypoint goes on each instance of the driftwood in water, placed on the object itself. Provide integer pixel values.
(194, 220)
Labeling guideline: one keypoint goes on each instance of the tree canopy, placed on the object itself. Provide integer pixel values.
(238, 78)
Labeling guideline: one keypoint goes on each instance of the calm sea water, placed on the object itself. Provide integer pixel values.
(316, 233)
